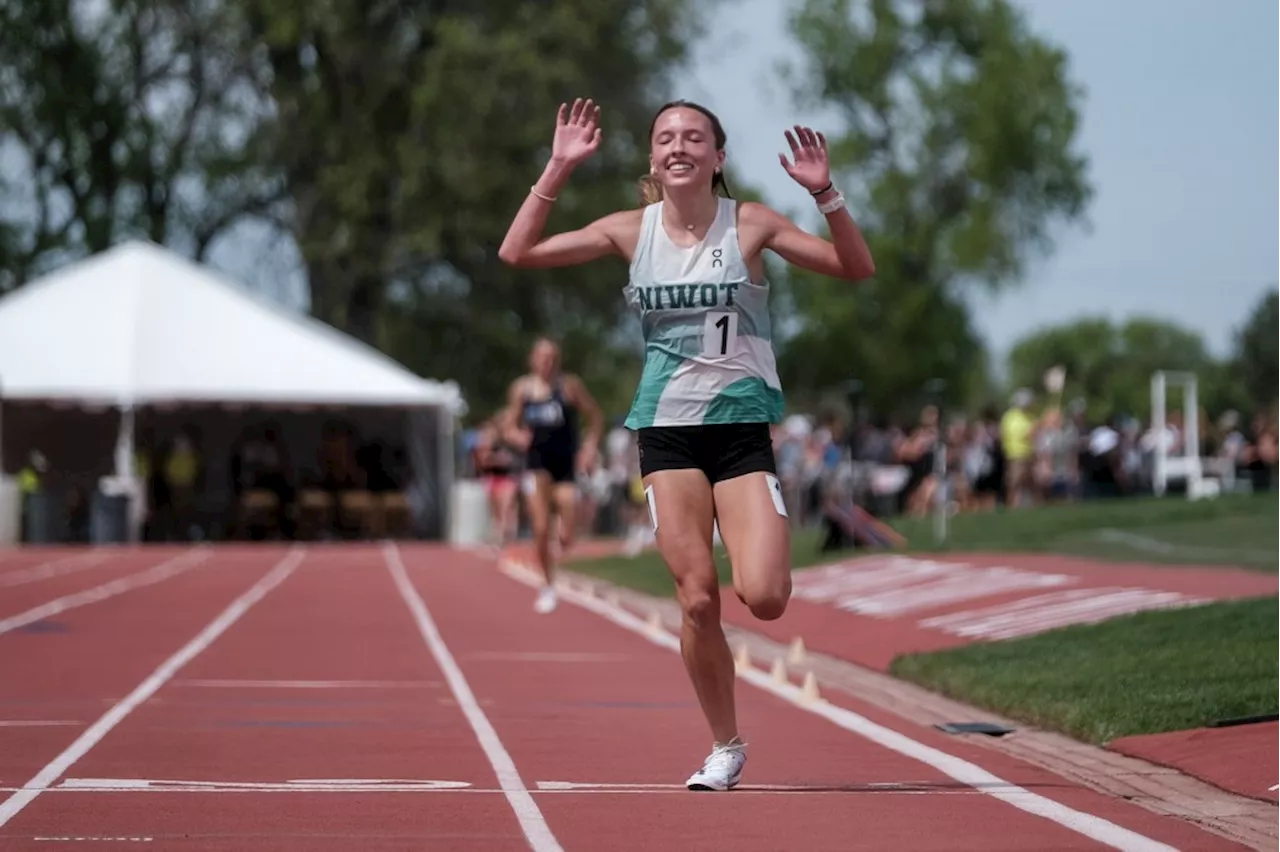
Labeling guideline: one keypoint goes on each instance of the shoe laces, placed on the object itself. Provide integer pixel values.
(722, 756)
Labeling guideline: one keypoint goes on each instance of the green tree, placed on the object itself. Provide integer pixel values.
(390, 140)
(893, 340)
(119, 116)
(1111, 365)
(1255, 359)
(409, 132)
(956, 150)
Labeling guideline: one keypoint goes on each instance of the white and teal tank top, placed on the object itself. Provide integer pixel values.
(708, 338)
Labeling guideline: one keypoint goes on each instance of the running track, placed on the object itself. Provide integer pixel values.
(382, 697)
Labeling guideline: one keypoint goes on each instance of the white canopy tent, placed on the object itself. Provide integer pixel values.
(139, 325)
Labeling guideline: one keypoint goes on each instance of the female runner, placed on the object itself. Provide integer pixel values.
(709, 388)
(543, 410)
(495, 464)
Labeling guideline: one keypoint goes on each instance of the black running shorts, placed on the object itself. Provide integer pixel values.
(559, 464)
(721, 451)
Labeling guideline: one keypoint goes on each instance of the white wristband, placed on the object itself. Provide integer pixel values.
(829, 207)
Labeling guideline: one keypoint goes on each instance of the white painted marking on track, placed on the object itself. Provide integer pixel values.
(961, 586)
(896, 586)
(1091, 826)
(532, 822)
(375, 783)
(1055, 609)
(970, 618)
(297, 785)
(545, 657)
(865, 577)
(38, 723)
(216, 683)
(52, 568)
(57, 767)
(92, 839)
(888, 587)
(906, 787)
(155, 574)
(365, 786)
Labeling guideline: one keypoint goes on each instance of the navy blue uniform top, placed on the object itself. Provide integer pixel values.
(553, 423)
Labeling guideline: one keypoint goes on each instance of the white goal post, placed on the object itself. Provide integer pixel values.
(1187, 465)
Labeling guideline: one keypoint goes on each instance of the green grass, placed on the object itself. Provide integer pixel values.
(1140, 674)
(1240, 530)
(1246, 541)
(1146, 673)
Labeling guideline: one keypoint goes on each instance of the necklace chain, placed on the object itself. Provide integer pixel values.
(692, 225)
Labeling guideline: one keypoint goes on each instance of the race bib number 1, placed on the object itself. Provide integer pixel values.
(720, 334)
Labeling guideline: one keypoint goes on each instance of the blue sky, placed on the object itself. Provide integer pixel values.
(1180, 122)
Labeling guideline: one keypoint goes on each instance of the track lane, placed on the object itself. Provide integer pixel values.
(57, 682)
(127, 571)
(628, 716)
(23, 571)
(26, 556)
(326, 678)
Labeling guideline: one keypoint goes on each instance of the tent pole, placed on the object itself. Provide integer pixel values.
(125, 471)
(124, 443)
(446, 470)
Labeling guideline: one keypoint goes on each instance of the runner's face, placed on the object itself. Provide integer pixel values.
(544, 360)
(683, 151)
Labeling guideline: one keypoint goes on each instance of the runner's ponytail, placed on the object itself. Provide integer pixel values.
(650, 190)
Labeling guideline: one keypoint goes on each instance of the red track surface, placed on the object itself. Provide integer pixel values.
(24, 557)
(39, 581)
(329, 676)
(1237, 758)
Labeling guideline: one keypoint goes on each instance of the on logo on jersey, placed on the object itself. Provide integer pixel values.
(667, 297)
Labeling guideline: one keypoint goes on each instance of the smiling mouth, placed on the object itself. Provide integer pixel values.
(680, 168)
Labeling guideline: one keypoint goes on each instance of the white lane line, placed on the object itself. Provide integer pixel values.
(93, 838)
(295, 785)
(219, 683)
(923, 788)
(99, 729)
(1055, 609)
(1094, 827)
(413, 785)
(53, 568)
(155, 574)
(532, 822)
(545, 657)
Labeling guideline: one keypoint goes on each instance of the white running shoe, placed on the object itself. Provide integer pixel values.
(722, 768)
(546, 601)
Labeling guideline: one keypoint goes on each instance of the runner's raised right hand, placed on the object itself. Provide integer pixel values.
(577, 132)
